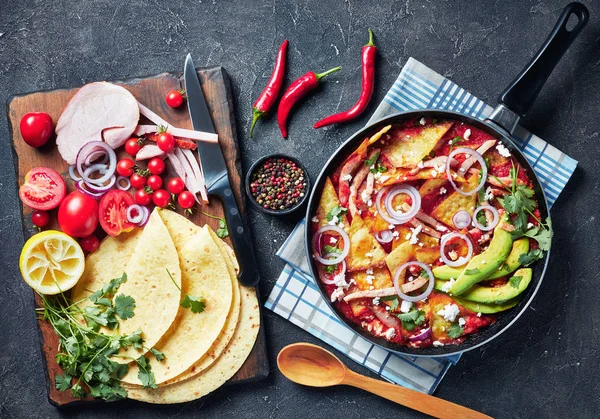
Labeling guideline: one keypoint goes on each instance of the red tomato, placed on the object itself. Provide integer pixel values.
(156, 165)
(137, 181)
(166, 142)
(36, 128)
(125, 167)
(161, 198)
(78, 214)
(176, 185)
(42, 189)
(186, 199)
(154, 182)
(174, 98)
(40, 218)
(89, 243)
(113, 212)
(132, 146)
(142, 197)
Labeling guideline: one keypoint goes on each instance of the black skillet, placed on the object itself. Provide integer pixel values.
(515, 103)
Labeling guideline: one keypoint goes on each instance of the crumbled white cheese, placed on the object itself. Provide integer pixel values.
(369, 255)
(340, 281)
(503, 150)
(434, 173)
(488, 194)
(372, 167)
(396, 234)
(448, 284)
(467, 134)
(483, 261)
(387, 308)
(462, 321)
(411, 278)
(450, 142)
(420, 164)
(347, 177)
(443, 190)
(420, 244)
(369, 271)
(412, 237)
(337, 295)
(422, 121)
(334, 220)
(341, 225)
(449, 312)
(391, 226)
(453, 254)
(315, 220)
(440, 227)
(530, 225)
(371, 287)
(407, 236)
(370, 203)
(383, 179)
(376, 301)
(365, 196)
(405, 306)
(369, 279)
(440, 168)
(333, 240)
(437, 343)
(390, 333)
(478, 314)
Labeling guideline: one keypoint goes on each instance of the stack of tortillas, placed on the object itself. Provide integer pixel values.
(202, 350)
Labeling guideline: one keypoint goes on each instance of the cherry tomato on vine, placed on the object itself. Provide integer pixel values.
(186, 199)
(36, 128)
(161, 198)
(89, 243)
(166, 142)
(156, 165)
(174, 98)
(137, 181)
(125, 167)
(143, 198)
(176, 185)
(155, 182)
(132, 146)
(40, 218)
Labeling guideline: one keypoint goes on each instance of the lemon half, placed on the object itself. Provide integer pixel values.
(51, 262)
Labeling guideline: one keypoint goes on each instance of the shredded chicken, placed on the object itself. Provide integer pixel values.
(435, 162)
(384, 292)
(345, 176)
(425, 229)
(471, 160)
(359, 178)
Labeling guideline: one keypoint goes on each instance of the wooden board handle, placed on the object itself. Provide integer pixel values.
(421, 402)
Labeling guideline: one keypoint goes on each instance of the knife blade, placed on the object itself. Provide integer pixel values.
(216, 176)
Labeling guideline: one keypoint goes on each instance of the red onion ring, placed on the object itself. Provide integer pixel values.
(480, 160)
(390, 214)
(410, 298)
(83, 188)
(342, 271)
(120, 186)
(341, 256)
(94, 155)
(461, 260)
(74, 176)
(384, 236)
(421, 336)
(491, 225)
(461, 219)
(146, 212)
(135, 218)
(94, 147)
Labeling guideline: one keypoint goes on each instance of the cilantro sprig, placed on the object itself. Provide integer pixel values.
(337, 211)
(222, 231)
(196, 304)
(455, 141)
(412, 319)
(455, 330)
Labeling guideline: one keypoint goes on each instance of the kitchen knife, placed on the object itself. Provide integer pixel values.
(217, 178)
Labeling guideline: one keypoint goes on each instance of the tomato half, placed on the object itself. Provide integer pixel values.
(78, 214)
(113, 212)
(43, 189)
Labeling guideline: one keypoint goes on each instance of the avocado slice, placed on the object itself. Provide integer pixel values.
(519, 248)
(486, 308)
(486, 263)
(495, 295)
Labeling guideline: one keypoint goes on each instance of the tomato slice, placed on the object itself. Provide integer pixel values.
(113, 212)
(43, 189)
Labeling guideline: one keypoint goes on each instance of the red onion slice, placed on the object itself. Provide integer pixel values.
(388, 213)
(339, 258)
(384, 236)
(461, 219)
(480, 160)
(83, 188)
(342, 272)
(94, 155)
(120, 185)
(135, 214)
(424, 334)
(146, 212)
(491, 225)
(94, 147)
(461, 260)
(74, 176)
(410, 298)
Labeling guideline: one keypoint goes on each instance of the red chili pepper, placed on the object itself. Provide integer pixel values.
(271, 91)
(369, 52)
(297, 90)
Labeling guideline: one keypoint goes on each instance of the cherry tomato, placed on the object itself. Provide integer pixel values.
(174, 98)
(137, 181)
(125, 167)
(113, 212)
(36, 128)
(42, 189)
(161, 198)
(186, 199)
(166, 142)
(40, 218)
(154, 182)
(89, 243)
(176, 185)
(78, 214)
(132, 146)
(142, 197)
(156, 165)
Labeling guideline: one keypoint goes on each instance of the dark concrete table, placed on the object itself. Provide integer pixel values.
(545, 366)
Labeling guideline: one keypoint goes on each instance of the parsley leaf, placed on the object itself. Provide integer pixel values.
(530, 257)
(472, 271)
(157, 354)
(145, 373)
(337, 211)
(63, 382)
(542, 236)
(395, 303)
(370, 162)
(411, 319)
(455, 330)
(515, 281)
(124, 306)
(222, 231)
(196, 304)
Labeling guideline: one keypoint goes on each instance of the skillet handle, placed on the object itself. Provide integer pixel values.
(520, 95)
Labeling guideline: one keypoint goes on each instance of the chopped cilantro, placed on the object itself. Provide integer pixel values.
(124, 306)
(329, 269)
(515, 281)
(530, 257)
(327, 249)
(145, 372)
(455, 141)
(158, 354)
(455, 330)
(370, 162)
(337, 211)
(411, 319)
(196, 304)
(63, 382)
(222, 231)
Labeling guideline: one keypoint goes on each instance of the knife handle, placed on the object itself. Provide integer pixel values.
(239, 233)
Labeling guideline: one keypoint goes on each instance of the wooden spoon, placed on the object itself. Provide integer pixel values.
(311, 365)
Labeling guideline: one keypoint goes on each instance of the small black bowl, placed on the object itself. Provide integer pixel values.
(286, 211)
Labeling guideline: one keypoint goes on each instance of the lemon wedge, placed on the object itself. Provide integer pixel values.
(51, 262)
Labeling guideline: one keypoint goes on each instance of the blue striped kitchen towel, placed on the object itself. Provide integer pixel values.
(296, 296)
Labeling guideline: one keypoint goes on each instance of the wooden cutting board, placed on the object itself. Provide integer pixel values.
(150, 91)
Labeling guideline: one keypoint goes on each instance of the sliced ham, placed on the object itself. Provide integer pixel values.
(98, 111)
(149, 151)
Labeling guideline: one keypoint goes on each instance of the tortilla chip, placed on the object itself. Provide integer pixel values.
(365, 251)
(431, 186)
(456, 201)
(329, 200)
(399, 256)
(428, 255)
(380, 278)
(408, 150)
